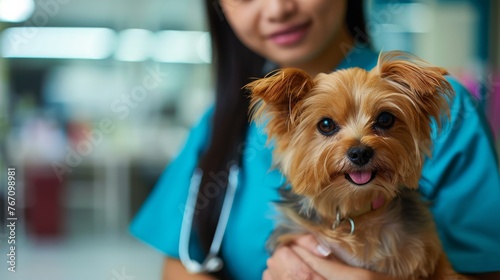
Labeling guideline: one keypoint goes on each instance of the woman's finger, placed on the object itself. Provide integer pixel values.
(333, 268)
(285, 264)
(310, 243)
(324, 267)
(266, 275)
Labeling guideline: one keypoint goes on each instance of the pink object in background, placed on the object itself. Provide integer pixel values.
(493, 104)
(492, 96)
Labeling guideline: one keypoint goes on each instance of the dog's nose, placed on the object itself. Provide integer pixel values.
(360, 155)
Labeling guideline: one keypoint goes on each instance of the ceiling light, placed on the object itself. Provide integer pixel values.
(55, 42)
(134, 45)
(16, 10)
(181, 47)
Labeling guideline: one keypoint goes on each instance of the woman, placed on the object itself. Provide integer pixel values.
(248, 37)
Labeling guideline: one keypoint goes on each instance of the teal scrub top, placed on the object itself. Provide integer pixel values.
(461, 181)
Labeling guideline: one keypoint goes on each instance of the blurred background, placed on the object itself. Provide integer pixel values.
(96, 97)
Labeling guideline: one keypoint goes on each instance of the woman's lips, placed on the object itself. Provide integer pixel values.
(290, 36)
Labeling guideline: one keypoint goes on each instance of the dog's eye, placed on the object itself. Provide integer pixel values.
(385, 120)
(327, 127)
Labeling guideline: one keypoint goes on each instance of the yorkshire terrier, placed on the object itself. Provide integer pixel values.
(351, 145)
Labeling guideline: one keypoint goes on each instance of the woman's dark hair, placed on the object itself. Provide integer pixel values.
(356, 21)
(234, 65)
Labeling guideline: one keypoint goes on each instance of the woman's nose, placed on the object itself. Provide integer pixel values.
(279, 10)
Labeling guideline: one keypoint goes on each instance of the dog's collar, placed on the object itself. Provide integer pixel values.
(339, 220)
(377, 203)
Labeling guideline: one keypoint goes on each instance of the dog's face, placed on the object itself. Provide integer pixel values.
(351, 137)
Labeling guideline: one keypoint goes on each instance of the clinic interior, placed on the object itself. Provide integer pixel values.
(96, 97)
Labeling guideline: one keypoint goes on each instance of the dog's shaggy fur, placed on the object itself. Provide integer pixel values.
(352, 144)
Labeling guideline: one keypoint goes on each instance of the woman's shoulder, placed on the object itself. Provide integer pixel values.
(202, 126)
(158, 221)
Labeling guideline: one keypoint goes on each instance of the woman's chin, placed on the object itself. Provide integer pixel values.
(291, 57)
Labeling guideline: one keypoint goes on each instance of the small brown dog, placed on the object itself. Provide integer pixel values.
(352, 144)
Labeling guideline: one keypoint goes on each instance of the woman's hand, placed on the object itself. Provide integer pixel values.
(305, 259)
(285, 263)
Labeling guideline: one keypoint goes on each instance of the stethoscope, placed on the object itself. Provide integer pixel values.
(212, 262)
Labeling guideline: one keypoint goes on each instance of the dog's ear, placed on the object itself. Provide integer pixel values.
(277, 96)
(425, 84)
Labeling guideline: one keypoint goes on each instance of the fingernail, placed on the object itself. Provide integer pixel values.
(323, 251)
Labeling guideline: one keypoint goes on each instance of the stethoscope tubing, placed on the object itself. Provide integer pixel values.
(212, 262)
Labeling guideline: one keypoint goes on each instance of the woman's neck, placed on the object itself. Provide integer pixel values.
(331, 57)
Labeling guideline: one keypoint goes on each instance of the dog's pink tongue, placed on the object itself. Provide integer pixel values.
(360, 177)
(378, 202)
